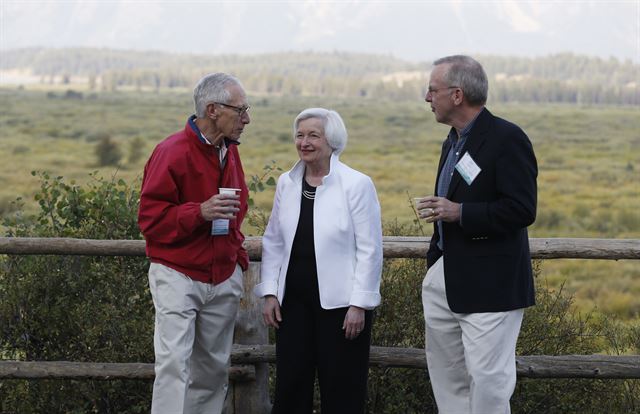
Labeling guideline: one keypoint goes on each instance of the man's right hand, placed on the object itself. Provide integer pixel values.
(220, 206)
(271, 311)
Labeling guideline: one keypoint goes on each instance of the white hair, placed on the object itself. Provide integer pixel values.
(334, 129)
(212, 88)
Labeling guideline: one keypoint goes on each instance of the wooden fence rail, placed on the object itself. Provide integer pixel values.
(251, 353)
(243, 356)
(394, 247)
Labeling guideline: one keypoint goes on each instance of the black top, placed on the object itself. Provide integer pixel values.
(302, 275)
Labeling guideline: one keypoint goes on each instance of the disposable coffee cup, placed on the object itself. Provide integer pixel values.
(220, 227)
(416, 202)
(225, 190)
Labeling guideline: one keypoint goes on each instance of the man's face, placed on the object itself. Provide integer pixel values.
(229, 122)
(440, 95)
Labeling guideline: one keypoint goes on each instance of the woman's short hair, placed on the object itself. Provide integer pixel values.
(212, 88)
(467, 74)
(334, 129)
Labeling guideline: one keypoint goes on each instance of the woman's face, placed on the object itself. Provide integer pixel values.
(311, 143)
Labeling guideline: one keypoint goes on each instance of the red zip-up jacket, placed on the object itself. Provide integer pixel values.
(181, 173)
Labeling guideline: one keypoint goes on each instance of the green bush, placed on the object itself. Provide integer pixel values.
(21, 149)
(108, 152)
(552, 327)
(258, 218)
(629, 220)
(550, 219)
(136, 150)
(399, 322)
(99, 309)
(76, 308)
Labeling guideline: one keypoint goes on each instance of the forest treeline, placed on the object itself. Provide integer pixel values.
(564, 77)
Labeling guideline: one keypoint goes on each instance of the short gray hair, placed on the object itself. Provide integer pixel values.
(334, 129)
(212, 88)
(467, 74)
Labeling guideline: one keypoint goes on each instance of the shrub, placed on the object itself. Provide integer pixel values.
(76, 308)
(96, 136)
(136, 150)
(71, 94)
(99, 309)
(399, 322)
(257, 217)
(21, 149)
(629, 220)
(284, 137)
(8, 206)
(550, 219)
(108, 152)
(552, 327)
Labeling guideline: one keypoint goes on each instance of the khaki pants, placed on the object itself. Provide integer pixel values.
(192, 340)
(470, 356)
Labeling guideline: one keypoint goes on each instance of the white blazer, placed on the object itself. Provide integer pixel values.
(347, 234)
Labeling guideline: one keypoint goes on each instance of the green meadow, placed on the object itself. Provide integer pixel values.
(589, 162)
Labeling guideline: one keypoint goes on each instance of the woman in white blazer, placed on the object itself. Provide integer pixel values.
(321, 267)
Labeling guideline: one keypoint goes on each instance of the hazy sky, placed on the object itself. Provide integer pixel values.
(412, 30)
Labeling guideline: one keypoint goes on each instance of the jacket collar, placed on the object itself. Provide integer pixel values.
(296, 173)
(191, 122)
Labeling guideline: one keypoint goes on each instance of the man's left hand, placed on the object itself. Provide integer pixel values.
(439, 208)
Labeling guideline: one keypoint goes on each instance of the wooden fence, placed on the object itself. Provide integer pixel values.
(252, 353)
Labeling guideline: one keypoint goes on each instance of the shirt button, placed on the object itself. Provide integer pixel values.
(452, 174)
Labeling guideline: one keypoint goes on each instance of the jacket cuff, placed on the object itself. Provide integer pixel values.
(266, 288)
(189, 218)
(365, 300)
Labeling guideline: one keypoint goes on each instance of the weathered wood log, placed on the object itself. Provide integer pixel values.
(394, 247)
(579, 366)
(96, 370)
(579, 248)
(243, 396)
(70, 246)
(530, 366)
(555, 248)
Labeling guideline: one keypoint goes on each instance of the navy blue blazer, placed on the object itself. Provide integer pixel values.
(487, 264)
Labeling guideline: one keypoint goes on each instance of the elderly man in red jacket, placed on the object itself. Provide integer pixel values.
(192, 204)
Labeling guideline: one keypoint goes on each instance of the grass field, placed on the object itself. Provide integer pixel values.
(589, 161)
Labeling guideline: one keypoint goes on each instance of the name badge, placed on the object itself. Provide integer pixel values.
(468, 168)
(219, 227)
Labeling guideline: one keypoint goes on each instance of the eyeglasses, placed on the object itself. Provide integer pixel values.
(434, 91)
(240, 110)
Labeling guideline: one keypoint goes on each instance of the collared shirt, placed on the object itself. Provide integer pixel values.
(455, 150)
(222, 149)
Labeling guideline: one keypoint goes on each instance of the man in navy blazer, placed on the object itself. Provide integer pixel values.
(479, 277)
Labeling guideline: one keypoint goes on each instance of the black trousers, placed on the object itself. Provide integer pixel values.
(311, 339)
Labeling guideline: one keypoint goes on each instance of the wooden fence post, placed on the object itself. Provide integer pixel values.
(251, 397)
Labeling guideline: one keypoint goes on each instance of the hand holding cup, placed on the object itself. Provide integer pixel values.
(422, 207)
(221, 206)
(432, 208)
